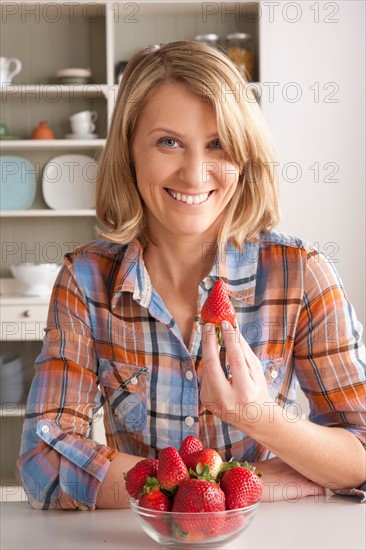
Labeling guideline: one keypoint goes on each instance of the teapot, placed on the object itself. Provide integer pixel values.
(7, 72)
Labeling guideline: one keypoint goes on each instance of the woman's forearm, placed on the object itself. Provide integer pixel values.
(112, 492)
(331, 457)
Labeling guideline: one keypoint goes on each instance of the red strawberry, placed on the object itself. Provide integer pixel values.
(152, 498)
(218, 308)
(189, 445)
(136, 477)
(194, 496)
(205, 457)
(172, 471)
(241, 486)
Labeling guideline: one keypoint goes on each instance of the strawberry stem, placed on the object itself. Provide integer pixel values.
(219, 335)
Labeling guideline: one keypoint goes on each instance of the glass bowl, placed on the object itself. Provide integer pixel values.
(194, 530)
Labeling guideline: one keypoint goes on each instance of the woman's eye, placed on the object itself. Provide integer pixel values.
(168, 142)
(215, 144)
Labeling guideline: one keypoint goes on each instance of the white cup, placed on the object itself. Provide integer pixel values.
(6, 73)
(82, 127)
(83, 123)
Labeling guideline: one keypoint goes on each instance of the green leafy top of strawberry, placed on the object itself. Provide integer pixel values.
(235, 464)
(218, 308)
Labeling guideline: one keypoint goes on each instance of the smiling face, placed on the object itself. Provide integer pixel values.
(184, 176)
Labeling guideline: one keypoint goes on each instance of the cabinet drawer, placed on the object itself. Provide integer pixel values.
(23, 322)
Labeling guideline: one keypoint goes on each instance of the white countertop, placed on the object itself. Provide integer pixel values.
(334, 523)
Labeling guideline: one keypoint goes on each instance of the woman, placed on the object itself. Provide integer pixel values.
(186, 195)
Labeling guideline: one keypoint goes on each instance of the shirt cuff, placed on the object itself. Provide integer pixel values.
(78, 485)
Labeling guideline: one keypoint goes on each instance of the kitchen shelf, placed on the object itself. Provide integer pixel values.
(46, 213)
(54, 90)
(9, 145)
(12, 409)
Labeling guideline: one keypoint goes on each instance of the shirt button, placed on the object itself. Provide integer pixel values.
(45, 429)
(134, 381)
(208, 284)
(189, 421)
(274, 374)
(189, 375)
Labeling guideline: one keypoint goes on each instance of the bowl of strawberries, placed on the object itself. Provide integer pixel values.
(190, 497)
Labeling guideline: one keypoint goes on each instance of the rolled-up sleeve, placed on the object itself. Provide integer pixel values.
(60, 466)
(329, 354)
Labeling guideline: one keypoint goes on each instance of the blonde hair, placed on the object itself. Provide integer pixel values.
(242, 131)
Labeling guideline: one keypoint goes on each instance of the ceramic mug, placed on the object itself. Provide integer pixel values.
(6, 72)
(83, 122)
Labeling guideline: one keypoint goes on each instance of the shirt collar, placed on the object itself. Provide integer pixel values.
(133, 276)
(237, 268)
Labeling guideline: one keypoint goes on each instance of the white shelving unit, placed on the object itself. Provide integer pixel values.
(44, 144)
(43, 213)
(47, 37)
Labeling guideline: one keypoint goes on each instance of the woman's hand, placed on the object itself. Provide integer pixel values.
(281, 482)
(240, 401)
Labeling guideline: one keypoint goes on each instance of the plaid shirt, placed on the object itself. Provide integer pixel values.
(111, 341)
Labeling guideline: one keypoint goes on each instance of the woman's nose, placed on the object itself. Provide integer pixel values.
(196, 169)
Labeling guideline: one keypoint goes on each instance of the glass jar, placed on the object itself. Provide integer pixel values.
(239, 47)
(211, 39)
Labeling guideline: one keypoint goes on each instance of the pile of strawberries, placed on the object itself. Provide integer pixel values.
(193, 480)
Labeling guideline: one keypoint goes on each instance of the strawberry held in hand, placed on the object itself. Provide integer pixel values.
(218, 308)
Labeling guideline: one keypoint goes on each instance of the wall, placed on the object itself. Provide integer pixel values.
(319, 122)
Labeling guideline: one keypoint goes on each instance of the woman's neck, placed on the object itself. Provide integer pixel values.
(181, 261)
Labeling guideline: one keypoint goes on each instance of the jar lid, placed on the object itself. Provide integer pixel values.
(210, 36)
(238, 36)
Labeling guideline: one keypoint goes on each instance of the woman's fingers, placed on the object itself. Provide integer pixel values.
(252, 360)
(235, 356)
(210, 355)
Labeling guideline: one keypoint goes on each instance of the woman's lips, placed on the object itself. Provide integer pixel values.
(189, 199)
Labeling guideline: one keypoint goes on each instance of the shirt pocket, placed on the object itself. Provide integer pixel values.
(274, 371)
(125, 387)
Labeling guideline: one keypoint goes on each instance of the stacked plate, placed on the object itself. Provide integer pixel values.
(11, 379)
(73, 75)
(69, 182)
(17, 182)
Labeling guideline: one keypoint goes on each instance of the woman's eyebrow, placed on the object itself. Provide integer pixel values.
(171, 131)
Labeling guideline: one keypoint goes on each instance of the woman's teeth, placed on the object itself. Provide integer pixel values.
(189, 199)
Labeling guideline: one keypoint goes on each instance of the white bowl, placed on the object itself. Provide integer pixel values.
(37, 279)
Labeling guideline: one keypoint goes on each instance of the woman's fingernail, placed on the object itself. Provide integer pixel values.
(226, 325)
(209, 328)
